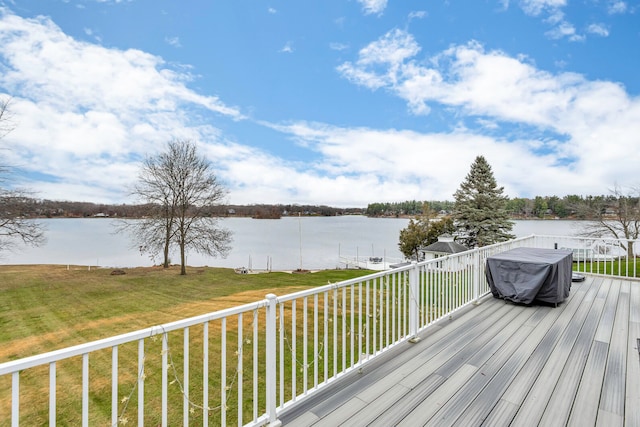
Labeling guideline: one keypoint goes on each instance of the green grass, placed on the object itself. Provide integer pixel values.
(43, 308)
(78, 303)
(617, 267)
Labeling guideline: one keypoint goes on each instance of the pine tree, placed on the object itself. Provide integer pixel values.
(480, 211)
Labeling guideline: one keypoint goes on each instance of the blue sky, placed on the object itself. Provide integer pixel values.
(338, 102)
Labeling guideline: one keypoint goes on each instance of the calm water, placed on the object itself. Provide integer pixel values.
(284, 244)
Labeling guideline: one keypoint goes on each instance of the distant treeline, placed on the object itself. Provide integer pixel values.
(60, 209)
(573, 206)
(410, 207)
(579, 207)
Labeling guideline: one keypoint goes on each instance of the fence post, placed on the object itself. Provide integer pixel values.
(270, 361)
(414, 295)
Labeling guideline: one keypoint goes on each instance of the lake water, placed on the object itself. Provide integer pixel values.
(282, 244)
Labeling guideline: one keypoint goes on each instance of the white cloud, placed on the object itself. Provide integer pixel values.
(338, 46)
(173, 41)
(616, 6)
(373, 6)
(419, 14)
(598, 29)
(564, 29)
(287, 48)
(85, 111)
(536, 7)
(407, 164)
(389, 51)
(272, 11)
(493, 86)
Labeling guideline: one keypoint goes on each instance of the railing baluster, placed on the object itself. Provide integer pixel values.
(294, 354)
(281, 352)
(85, 389)
(165, 373)
(335, 332)
(305, 346)
(393, 307)
(374, 317)
(52, 394)
(315, 340)
(240, 353)
(325, 336)
(359, 321)
(15, 399)
(387, 310)
(185, 378)
(223, 372)
(344, 329)
(367, 323)
(114, 385)
(352, 331)
(141, 382)
(205, 374)
(255, 365)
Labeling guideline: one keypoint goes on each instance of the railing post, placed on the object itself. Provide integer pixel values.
(476, 275)
(270, 360)
(414, 295)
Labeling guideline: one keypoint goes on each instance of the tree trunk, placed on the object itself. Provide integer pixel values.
(167, 243)
(165, 264)
(183, 266)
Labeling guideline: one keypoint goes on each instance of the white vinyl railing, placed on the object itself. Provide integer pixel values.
(247, 364)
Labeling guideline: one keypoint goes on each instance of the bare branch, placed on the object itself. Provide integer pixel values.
(6, 118)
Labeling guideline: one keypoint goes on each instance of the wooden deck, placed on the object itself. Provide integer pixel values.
(499, 364)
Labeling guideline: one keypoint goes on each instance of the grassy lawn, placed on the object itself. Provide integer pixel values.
(620, 267)
(43, 308)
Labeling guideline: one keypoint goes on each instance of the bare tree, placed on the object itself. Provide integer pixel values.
(616, 216)
(16, 205)
(16, 222)
(181, 187)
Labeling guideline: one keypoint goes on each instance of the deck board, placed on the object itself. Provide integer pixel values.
(632, 401)
(532, 390)
(501, 364)
(557, 410)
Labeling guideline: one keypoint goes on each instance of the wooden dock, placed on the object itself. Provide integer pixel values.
(499, 364)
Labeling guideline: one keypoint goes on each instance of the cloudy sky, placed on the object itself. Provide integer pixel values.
(338, 102)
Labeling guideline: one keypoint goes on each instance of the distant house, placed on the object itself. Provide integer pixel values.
(445, 245)
(101, 215)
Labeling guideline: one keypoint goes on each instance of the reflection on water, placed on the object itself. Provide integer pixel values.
(283, 244)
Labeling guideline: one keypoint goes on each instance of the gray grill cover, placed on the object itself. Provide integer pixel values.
(523, 275)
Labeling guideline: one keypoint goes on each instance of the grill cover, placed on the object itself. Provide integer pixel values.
(523, 275)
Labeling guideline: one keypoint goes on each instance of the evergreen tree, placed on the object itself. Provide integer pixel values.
(480, 212)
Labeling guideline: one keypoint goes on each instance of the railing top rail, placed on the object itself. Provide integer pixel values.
(338, 285)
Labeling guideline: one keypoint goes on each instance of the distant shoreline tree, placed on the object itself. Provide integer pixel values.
(479, 212)
(16, 205)
(180, 189)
